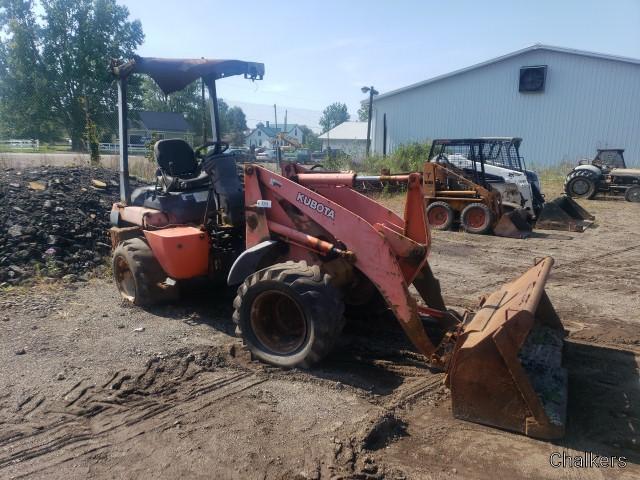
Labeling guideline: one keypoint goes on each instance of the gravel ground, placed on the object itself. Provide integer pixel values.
(54, 222)
(93, 388)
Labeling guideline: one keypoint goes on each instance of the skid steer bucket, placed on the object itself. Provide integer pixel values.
(506, 368)
(564, 213)
(513, 224)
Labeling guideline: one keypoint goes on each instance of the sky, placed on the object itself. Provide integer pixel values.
(316, 53)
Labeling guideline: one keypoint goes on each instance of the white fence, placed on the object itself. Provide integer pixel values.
(115, 148)
(21, 144)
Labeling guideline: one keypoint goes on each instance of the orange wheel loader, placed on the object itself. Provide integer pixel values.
(302, 243)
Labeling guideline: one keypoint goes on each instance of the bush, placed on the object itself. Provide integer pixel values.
(405, 159)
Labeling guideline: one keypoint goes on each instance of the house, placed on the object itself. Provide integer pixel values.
(564, 103)
(160, 125)
(266, 136)
(350, 137)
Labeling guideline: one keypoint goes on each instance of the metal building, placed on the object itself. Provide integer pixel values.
(564, 103)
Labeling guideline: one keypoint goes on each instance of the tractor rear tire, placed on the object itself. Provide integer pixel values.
(581, 184)
(289, 314)
(476, 218)
(632, 194)
(137, 274)
(440, 216)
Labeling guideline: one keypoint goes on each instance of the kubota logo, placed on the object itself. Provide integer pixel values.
(315, 205)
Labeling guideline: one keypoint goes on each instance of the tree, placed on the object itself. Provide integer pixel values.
(309, 139)
(334, 115)
(57, 77)
(363, 112)
(25, 107)
(233, 122)
(188, 102)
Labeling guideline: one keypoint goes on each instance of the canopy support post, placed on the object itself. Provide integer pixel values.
(125, 188)
(215, 114)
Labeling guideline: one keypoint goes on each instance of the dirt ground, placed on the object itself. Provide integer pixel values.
(93, 388)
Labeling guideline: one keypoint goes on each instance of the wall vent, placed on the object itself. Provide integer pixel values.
(532, 79)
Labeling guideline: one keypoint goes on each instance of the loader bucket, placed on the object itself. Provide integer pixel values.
(564, 213)
(513, 224)
(506, 369)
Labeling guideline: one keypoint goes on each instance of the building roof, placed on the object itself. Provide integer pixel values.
(163, 121)
(347, 131)
(537, 46)
(273, 131)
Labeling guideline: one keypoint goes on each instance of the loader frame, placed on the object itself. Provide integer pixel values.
(322, 220)
(436, 182)
(450, 185)
(350, 235)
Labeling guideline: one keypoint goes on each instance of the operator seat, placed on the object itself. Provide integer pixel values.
(183, 186)
(178, 170)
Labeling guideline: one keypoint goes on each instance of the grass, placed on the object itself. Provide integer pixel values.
(552, 178)
(41, 149)
(140, 167)
(405, 158)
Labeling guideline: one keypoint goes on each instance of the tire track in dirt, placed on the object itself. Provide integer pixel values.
(121, 410)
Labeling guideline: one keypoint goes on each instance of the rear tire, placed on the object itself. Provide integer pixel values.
(137, 274)
(440, 216)
(476, 218)
(289, 314)
(580, 184)
(632, 194)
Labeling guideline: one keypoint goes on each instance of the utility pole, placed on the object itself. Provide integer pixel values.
(275, 114)
(372, 91)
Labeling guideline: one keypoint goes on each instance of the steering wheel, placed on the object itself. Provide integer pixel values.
(201, 151)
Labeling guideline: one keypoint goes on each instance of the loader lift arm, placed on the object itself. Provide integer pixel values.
(388, 250)
(503, 364)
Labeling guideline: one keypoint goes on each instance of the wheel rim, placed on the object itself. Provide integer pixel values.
(438, 216)
(278, 322)
(476, 218)
(580, 186)
(634, 195)
(124, 279)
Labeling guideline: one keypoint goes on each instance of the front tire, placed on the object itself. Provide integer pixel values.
(440, 216)
(580, 184)
(476, 218)
(289, 314)
(138, 274)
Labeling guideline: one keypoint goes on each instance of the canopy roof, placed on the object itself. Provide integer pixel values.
(173, 74)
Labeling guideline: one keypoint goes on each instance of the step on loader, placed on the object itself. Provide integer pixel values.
(302, 243)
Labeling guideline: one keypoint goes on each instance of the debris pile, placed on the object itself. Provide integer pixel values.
(54, 221)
